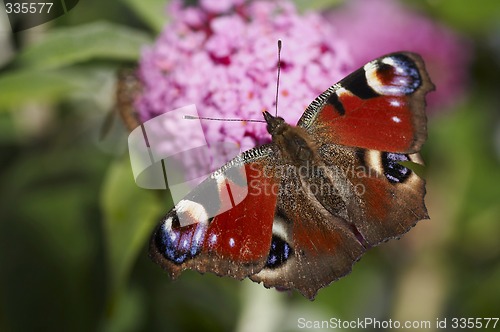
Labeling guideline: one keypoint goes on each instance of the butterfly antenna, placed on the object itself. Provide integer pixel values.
(192, 117)
(278, 80)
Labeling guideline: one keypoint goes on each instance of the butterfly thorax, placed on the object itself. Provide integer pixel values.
(294, 143)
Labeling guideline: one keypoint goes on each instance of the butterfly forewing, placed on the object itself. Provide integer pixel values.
(234, 242)
(380, 106)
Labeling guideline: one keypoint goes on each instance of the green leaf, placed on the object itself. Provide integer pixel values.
(23, 86)
(129, 312)
(130, 214)
(99, 40)
(304, 5)
(7, 130)
(415, 167)
(49, 231)
(20, 87)
(153, 12)
(463, 15)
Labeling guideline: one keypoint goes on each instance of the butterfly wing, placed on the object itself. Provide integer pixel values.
(128, 88)
(390, 196)
(379, 111)
(380, 106)
(224, 225)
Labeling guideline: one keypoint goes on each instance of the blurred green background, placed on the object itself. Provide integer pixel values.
(74, 227)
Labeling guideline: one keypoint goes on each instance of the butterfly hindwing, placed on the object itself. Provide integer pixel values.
(313, 243)
(389, 196)
(330, 213)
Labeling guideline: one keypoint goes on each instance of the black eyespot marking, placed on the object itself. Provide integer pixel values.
(178, 244)
(334, 100)
(358, 85)
(361, 153)
(280, 252)
(384, 68)
(393, 171)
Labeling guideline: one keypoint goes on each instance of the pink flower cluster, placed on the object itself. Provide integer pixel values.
(222, 56)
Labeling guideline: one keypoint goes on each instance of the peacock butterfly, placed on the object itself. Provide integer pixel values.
(320, 195)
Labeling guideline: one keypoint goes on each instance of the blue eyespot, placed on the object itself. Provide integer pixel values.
(177, 243)
(410, 70)
(279, 253)
(393, 170)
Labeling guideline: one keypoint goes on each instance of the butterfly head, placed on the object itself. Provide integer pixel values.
(275, 124)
